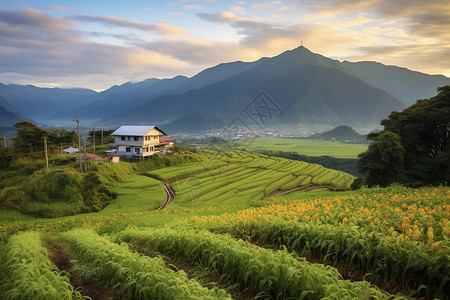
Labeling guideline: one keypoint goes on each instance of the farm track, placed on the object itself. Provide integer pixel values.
(169, 196)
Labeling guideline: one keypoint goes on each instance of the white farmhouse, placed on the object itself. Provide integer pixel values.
(137, 141)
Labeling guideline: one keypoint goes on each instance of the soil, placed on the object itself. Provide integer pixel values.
(91, 289)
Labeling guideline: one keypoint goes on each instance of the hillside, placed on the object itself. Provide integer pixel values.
(341, 133)
(308, 89)
(130, 95)
(41, 104)
(402, 83)
(8, 118)
(237, 177)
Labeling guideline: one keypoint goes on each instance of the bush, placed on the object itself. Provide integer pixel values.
(357, 183)
(6, 157)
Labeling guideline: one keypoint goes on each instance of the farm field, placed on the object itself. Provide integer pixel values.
(240, 177)
(307, 147)
(379, 243)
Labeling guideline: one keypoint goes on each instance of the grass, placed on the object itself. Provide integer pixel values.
(136, 193)
(307, 147)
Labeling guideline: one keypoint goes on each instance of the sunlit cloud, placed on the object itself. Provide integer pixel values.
(97, 51)
(119, 22)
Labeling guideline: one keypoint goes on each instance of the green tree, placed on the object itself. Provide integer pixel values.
(63, 136)
(424, 126)
(107, 137)
(29, 140)
(383, 162)
(423, 129)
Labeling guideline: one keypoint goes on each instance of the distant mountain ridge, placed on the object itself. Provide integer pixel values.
(309, 90)
(402, 83)
(7, 117)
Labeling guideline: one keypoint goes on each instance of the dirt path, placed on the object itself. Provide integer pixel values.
(169, 196)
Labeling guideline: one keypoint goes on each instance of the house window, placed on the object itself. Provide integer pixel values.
(127, 149)
(122, 138)
(129, 138)
(146, 149)
(136, 139)
(137, 150)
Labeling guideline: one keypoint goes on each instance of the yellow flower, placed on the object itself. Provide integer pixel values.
(435, 246)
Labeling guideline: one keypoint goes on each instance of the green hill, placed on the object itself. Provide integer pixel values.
(341, 133)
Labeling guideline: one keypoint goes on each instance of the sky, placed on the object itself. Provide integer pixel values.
(100, 43)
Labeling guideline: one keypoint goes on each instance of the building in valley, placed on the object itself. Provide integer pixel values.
(138, 141)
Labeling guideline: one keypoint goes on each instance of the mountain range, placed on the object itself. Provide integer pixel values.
(296, 89)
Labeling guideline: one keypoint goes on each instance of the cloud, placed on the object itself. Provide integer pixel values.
(193, 6)
(43, 47)
(196, 52)
(238, 9)
(415, 56)
(59, 8)
(268, 4)
(164, 29)
(272, 38)
(426, 18)
(31, 26)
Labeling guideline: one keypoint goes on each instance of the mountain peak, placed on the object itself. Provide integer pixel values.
(302, 55)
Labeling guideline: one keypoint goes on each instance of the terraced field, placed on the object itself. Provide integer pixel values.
(218, 240)
(240, 177)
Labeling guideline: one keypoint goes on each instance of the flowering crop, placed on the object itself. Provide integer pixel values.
(403, 236)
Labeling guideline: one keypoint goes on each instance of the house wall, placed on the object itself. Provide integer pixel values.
(146, 144)
(129, 140)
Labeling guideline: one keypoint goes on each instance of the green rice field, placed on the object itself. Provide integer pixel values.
(307, 147)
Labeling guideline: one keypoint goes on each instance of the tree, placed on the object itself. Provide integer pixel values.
(29, 140)
(424, 126)
(63, 136)
(423, 129)
(383, 162)
(107, 137)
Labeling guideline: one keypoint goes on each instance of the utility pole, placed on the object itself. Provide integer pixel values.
(85, 164)
(79, 143)
(102, 132)
(93, 143)
(61, 148)
(46, 154)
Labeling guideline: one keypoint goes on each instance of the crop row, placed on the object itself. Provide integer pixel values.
(26, 272)
(180, 171)
(273, 274)
(404, 238)
(223, 177)
(138, 276)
